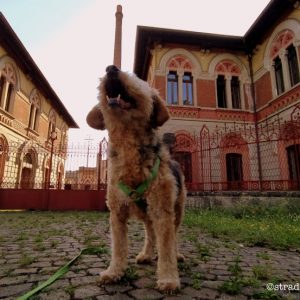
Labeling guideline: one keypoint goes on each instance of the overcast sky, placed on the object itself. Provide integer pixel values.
(72, 40)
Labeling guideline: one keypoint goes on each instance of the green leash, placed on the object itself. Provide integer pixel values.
(137, 194)
(62, 271)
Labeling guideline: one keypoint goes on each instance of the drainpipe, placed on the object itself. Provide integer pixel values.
(253, 95)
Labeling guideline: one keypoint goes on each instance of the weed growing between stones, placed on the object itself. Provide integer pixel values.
(130, 275)
(262, 272)
(235, 284)
(26, 260)
(70, 290)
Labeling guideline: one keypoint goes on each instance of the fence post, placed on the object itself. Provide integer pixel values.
(99, 166)
(255, 121)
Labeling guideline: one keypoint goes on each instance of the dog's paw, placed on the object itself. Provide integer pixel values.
(109, 276)
(143, 258)
(168, 285)
(180, 257)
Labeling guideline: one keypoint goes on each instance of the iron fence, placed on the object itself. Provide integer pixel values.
(242, 156)
(222, 157)
(29, 165)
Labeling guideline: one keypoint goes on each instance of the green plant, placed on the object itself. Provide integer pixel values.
(26, 260)
(53, 243)
(39, 247)
(196, 281)
(70, 290)
(22, 236)
(267, 295)
(203, 251)
(236, 269)
(234, 285)
(251, 281)
(263, 255)
(262, 272)
(184, 267)
(38, 239)
(130, 275)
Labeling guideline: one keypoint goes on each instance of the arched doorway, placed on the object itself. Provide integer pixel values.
(27, 173)
(184, 151)
(46, 182)
(234, 170)
(185, 160)
(293, 154)
(3, 156)
(59, 177)
(235, 162)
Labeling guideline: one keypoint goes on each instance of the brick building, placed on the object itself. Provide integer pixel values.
(234, 100)
(32, 119)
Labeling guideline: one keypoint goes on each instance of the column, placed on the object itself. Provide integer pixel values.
(4, 94)
(180, 74)
(228, 91)
(242, 95)
(285, 69)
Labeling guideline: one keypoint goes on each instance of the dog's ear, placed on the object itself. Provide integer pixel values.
(160, 113)
(95, 118)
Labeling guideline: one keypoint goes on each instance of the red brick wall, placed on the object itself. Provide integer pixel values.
(263, 90)
(160, 85)
(206, 95)
(21, 110)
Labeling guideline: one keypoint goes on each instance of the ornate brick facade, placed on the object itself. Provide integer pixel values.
(30, 112)
(233, 82)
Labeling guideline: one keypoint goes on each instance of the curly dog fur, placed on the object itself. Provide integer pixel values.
(132, 111)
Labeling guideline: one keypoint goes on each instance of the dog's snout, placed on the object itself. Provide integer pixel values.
(112, 69)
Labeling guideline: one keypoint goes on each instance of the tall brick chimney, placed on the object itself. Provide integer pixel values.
(118, 37)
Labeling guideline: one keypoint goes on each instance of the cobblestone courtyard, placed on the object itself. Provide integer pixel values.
(33, 245)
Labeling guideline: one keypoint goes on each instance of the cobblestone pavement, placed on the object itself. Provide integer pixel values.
(33, 245)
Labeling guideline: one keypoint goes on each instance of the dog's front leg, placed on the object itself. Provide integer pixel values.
(118, 264)
(145, 256)
(168, 278)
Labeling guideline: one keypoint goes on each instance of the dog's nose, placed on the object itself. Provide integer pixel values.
(112, 69)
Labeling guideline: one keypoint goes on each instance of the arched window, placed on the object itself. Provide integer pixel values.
(180, 81)
(52, 122)
(172, 88)
(7, 86)
(35, 109)
(221, 91)
(229, 90)
(293, 65)
(235, 92)
(187, 89)
(284, 61)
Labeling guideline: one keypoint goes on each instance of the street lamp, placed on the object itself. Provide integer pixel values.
(53, 137)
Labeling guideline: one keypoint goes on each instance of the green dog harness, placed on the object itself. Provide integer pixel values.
(137, 194)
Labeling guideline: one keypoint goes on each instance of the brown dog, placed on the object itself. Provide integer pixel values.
(142, 179)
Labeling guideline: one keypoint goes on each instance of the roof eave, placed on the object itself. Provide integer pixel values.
(19, 53)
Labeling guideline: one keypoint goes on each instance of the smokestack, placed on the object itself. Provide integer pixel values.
(118, 37)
